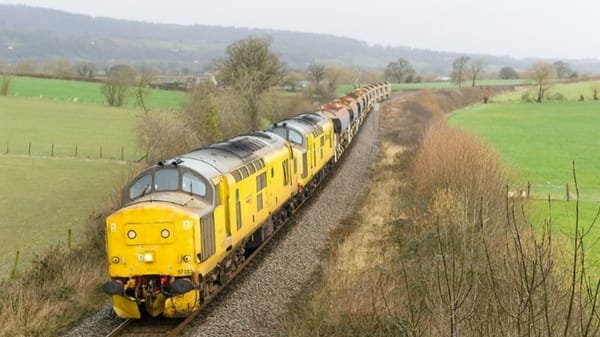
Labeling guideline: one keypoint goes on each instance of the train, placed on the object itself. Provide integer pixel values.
(186, 224)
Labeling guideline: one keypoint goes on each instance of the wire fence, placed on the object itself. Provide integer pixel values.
(555, 192)
(87, 151)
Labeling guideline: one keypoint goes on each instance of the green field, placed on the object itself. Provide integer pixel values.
(44, 196)
(66, 125)
(87, 92)
(538, 143)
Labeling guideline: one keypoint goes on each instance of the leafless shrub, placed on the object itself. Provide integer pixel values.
(201, 113)
(5, 78)
(5, 84)
(488, 271)
(275, 107)
(163, 135)
(117, 85)
(451, 160)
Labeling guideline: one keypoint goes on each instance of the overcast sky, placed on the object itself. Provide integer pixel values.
(519, 28)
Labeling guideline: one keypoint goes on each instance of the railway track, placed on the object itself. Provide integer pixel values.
(171, 327)
(149, 328)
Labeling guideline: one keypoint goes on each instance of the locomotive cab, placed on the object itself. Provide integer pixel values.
(185, 223)
(155, 241)
(312, 137)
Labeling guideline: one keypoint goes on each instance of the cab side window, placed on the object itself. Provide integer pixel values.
(193, 184)
(295, 137)
(140, 187)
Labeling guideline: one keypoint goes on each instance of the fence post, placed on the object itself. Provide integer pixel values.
(568, 197)
(122, 153)
(52, 151)
(29, 151)
(528, 189)
(13, 272)
(69, 239)
(75, 150)
(100, 151)
(7, 146)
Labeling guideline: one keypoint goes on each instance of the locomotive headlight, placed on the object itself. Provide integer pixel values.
(115, 260)
(165, 233)
(131, 234)
(148, 257)
(187, 258)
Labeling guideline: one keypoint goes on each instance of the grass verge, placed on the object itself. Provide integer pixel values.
(60, 286)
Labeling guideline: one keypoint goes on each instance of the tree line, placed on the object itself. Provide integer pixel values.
(466, 69)
(252, 58)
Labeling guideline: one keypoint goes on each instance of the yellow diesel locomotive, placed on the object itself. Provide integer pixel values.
(188, 223)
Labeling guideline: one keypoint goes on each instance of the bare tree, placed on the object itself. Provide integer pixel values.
(119, 79)
(292, 79)
(6, 78)
(143, 81)
(163, 136)
(459, 67)
(26, 67)
(201, 112)
(399, 70)
(453, 267)
(86, 69)
(541, 73)
(475, 67)
(5, 84)
(508, 73)
(316, 72)
(250, 68)
(562, 69)
(61, 67)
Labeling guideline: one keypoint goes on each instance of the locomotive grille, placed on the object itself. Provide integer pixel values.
(208, 236)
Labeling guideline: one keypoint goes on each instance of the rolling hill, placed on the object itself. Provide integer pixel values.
(40, 34)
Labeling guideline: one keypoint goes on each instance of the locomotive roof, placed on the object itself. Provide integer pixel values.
(304, 123)
(220, 158)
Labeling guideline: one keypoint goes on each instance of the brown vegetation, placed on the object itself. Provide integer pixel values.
(163, 136)
(451, 166)
(439, 250)
(5, 84)
(119, 79)
(5, 78)
(541, 73)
